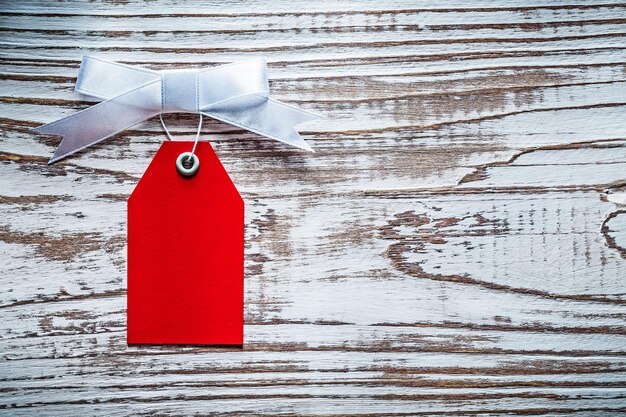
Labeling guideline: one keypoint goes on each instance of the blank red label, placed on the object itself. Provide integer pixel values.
(185, 253)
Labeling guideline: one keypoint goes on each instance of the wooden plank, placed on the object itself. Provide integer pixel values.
(455, 246)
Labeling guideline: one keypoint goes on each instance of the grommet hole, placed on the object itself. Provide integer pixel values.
(188, 162)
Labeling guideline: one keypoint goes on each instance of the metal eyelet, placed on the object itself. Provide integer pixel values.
(187, 164)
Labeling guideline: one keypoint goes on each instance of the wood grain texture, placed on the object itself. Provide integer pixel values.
(455, 246)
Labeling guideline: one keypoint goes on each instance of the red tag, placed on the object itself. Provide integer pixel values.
(185, 253)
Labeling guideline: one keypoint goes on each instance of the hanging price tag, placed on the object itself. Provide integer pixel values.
(185, 221)
(185, 251)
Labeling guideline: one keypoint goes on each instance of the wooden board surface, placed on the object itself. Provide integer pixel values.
(455, 246)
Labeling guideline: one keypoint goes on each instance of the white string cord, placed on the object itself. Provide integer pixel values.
(169, 136)
(197, 136)
(167, 132)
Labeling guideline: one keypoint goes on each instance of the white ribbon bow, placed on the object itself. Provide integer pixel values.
(237, 94)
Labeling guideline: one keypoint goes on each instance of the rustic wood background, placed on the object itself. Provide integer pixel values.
(455, 246)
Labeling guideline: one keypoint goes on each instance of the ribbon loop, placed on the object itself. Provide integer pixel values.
(233, 80)
(236, 93)
(106, 79)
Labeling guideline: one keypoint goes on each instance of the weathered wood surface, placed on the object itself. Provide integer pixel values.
(455, 246)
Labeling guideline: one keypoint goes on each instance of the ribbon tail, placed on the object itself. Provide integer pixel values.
(104, 120)
(266, 117)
